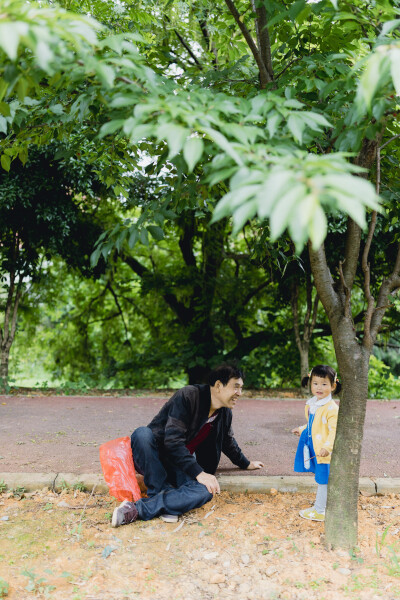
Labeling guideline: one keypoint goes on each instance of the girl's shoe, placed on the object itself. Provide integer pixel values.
(312, 515)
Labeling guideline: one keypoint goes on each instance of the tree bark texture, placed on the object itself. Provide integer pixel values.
(262, 50)
(341, 521)
(7, 332)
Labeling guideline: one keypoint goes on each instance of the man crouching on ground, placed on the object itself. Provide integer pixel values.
(179, 451)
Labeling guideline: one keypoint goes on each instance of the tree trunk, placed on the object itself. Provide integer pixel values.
(4, 358)
(341, 522)
(304, 362)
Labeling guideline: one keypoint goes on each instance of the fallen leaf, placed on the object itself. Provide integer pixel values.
(107, 551)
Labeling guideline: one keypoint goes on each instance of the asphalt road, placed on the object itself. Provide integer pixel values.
(63, 433)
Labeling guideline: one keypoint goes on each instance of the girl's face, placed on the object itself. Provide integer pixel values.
(321, 387)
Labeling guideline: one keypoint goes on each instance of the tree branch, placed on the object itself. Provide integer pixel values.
(323, 280)
(254, 292)
(346, 290)
(207, 38)
(264, 75)
(188, 49)
(184, 314)
(351, 253)
(295, 311)
(388, 285)
(264, 43)
(114, 295)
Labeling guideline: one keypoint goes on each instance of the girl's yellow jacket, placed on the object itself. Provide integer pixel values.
(323, 429)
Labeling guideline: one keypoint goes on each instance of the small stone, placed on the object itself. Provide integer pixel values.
(273, 492)
(4, 518)
(217, 578)
(226, 564)
(210, 555)
(63, 504)
(244, 588)
(245, 558)
(271, 571)
(344, 571)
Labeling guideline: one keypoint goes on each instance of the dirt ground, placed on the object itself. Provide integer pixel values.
(61, 546)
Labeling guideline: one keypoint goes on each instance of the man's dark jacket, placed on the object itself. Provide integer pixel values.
(179, 421)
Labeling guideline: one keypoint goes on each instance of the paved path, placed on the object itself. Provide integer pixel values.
(62, 433)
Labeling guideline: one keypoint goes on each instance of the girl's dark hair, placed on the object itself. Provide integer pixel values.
(323, 371)
(224, 373)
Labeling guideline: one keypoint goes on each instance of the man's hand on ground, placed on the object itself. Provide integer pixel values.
(255, 464)
(209, 481)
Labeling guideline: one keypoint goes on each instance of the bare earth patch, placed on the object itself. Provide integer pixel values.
(238, 546)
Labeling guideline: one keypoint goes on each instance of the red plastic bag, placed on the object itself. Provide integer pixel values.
(118, 469)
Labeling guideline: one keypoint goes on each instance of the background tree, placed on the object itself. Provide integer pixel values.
(43, 213)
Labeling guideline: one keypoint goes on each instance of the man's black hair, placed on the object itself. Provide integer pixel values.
(224, 373)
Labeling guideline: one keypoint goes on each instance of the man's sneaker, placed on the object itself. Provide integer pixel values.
(169, 518)
(124, 513)
(312, 515)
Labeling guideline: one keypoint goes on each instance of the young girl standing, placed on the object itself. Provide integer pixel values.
(317, 437)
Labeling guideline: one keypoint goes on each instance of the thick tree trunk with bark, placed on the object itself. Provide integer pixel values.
(353, 360)
(7, 332)
(4, 358)
(304, 359)
(341, 522)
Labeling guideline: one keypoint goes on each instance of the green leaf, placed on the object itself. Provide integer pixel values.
(223, 143)
(389, 26)
(243, 214)
(273, 123)
(57, 109)
(44, 55)
(3, 125)
(5, 162)
(144, 237)
(106, 74)
(133, 237)
(371, 77)
(283, 210)
(296, 125)
(395, 68)
(293, 103)
(111, 127)
(313, 118)
(122, 101)
(232, 200)
(192, 152)
(94, 257)
(9, 37)
(156, 232)
(174, 135)
(317, 227)
(276, 185)
(140, 132)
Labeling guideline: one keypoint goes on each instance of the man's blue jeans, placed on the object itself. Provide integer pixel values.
(169, 489)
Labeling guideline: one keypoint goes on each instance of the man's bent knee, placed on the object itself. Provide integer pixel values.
(204, 494)
(142, 435)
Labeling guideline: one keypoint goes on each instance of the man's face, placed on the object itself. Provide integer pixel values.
(228, 394)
